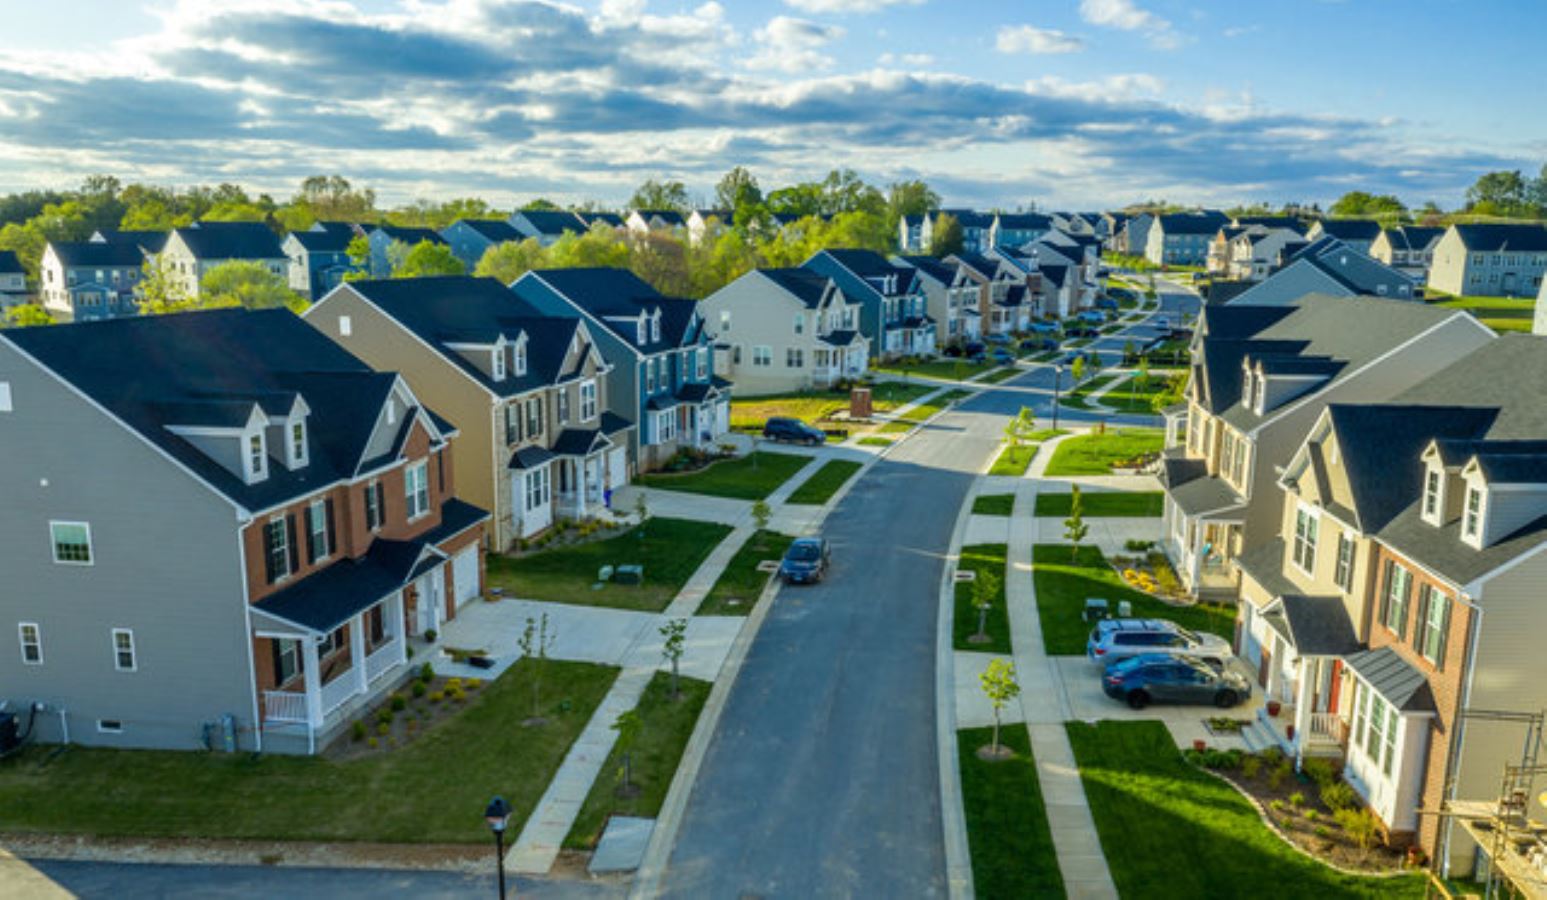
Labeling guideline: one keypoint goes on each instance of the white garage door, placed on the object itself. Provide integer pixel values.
(617, 468)
(464, 573)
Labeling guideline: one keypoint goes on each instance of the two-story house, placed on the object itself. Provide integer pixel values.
(470, 239)
(89, 280)
(708, 223)
(893, 317)
(1356, 233)
(779, 330)
(910, 234)
(390, 244)
(658, 352)
(319, 260)
(13, 280)
(1182, 239)
(1415, 529)
(935, 277)
(1016, 229)
(975, 228)
(1005, 292)
(1253, 254)
(1260, 377)
(527, 390)
(1327, 266)
(1493, 260)
(644, 221)
(1408, 248)
(191, 252)
(277, 520)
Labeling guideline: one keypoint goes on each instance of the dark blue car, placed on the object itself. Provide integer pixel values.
(805, 562)
(1140, 679)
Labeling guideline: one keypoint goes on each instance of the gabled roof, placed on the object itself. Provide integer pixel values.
(967, 218)
(1351, 229)
(1024, 221)
(864, 267)
(1413, 237)
(148, 370)
(932, 267)
(1290, 222)
(149, 241)
(410, 234)
(347, 228)
(9, 264)
(610, 295)
(1054, 274)
(329, 241)
(554, 221)
(977, 262)
(231, 240)
(591, 218)
(1502, 237)
(93, 253)
(1317, 626)
(803, 284)
(452, 309)
(1188, 223)
(496, 230)
(669, 216)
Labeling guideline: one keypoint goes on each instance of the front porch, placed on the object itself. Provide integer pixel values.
(845, 358)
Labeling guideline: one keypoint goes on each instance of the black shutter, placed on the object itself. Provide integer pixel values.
(268, 554)
(440, 472)
(279, 663)
(295, 556)
(311, 529)
(1421, 624)
(332, 535)
(1439, 657)
(381, 504)
(1385, 595)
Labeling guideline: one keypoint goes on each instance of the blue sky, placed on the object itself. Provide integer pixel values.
(1065, 103)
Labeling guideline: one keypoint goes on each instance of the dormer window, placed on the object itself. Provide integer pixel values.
(1433, 483)
(296, 445)
(499, 363)
(655, 326)
(257, 457)
(641, 330)
(1472, 519)
(520, 356)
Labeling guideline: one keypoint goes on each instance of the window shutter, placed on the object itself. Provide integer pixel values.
(1439, 657)
(1421, 624)
(381, 504)
(332, 535)
(279, 663)
(1385, 595)
(268, 555)
(311, 529)
(295, 555)
(440, 472)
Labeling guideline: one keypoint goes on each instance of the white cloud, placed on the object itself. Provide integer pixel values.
(1126, 15)
(1111, 89)
(1030, 39)
(911, 60)
(793, 45)
(849, 6)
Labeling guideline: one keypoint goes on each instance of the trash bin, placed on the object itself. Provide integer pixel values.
(1124, 609)
(604, 574)
(1095, 609)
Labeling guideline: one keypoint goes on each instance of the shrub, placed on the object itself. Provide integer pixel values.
(1195, 757)
(372, 743)
(399, 703)
(1251, 765)
(431, 634)
(1280, 774)
(418, 689)
(1297, 799)
(473, 684)
(435, 696)
(1339, 796)
(357, 731)
(1319, 770)
(1276, 805)
(382, 728)
(384, 716)
(453, 684)
(1222, 759)
(1360, 825)
(1135, 546)
(1321, 832)
(1312, 815)
(426, 673)
(1272, 756)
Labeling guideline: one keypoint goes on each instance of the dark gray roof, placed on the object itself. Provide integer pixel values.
(1177, 469)
(1265, 564)
(1506, 374)
(410, 234)
(1024, 221)
(591, 218)
(330, 241)
(1204, 495)
(9, 264)
(553, 221)
(231, 240)
(977, 262)
(1501, 237)
(805, 285)
(1441, 549)
(967, 217)
(495, 230)
(85, 254)
(609, 294)
(932, 267)
(1351, 229)
(1186, 223)
(149, 241)
(1318, 626)
(1394, 678)
(1413, 237)
(1290, 222)
(839, 338)
(669, 216)
(530, 457)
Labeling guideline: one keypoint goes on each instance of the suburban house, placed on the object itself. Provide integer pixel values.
(1328, 267)
(390, 243)
(708, 223)
(308, 500)
(547, 225)
(1493, 260)
(657, 350)
(1413, 531)
(935, 277)
(527, 391)
(13, 280)
(84, 281)
(1074, 223)
(981, 294)
(319, 260)
(1182, 239)
(1408, 248)
(1109, 228)
(1291, 223)
(191, 252)
(1260, 377)
(1218, 260)
(1134, 238)
(1356, 233)
(149, 242)
(591, 219)
(892, 302)
(644, 221)
(910, 234)
(780, 330)
(1016, 229)
(975, 228)
(470, 239)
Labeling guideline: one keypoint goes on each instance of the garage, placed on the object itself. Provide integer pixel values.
(464, 574)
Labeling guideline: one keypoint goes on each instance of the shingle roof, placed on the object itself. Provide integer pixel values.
(669, 216)
(1413, 237)
(149, 241)
(1289, 222)
(1394, 678)
(231, 240)
(1502, 237)
(805, 285)
(9, 264)
(609, 294)
(330, 241)
(496, 230)
(591, 218)
(92, 253)
(1318, 626)
(977, 262)
(932, 267)
(1351, 229)
(1024, 221)
(554, 221)
(410, 234)
(1208, 494)
(1186, 223)
(968, 218)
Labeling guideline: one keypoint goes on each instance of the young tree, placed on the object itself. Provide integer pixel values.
(761, 514)
(946, 238)
(425, 259)
(627, 726)
(1000, 686)
(26, 315)
(359, 251)
(985, 592)
(1142, 380)
(161, 291)
(675, 632)
(510, 260)
(1075, 528)
(535, 642)
(248, 284)
(1020, 426)
(1077, 369)
(660, 195)
(737, 188)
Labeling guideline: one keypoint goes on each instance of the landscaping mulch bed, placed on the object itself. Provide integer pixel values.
(391, 725)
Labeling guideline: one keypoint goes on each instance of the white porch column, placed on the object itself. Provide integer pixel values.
(395, 626)
(1304, 690)
(357, 652)
(312, 672)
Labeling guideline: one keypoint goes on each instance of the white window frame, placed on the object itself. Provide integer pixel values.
(1472, 514)
(665, 426)
(297, 442)
(110, 726)
(800, 323)
(416, 489)
(539, 488)
(588, 400)
(563, 406)
(318, 520)
(703, 363)
(520, 357)
(53, 540)
(281, 546)
(1343, 572)
(655, 327)
(1433, 487)
(762, 355)
(255, 455)
(1304, 557)
(36, 642)
(497, 360)
(1432, 628)
(134, 657)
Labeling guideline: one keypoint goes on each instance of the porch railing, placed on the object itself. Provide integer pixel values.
(384, 658)
(284, 706)
(1328, 726)
(335, 692)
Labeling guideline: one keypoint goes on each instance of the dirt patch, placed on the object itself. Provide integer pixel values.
(194, 851)
(990, 753)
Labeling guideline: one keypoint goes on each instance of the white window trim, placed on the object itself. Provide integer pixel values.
(134, 655)
(497, 362)
(318, 510)
(53, 545)
(21, 637)
(1314, 515)
(117, 726)
(588, 410)
(259, 469)
(411, 496)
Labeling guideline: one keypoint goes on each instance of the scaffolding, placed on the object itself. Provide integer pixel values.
(1502, 827)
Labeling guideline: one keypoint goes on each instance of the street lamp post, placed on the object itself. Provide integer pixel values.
(1058, 377)
(498, 816)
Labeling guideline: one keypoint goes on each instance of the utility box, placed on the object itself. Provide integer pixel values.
(859, 403)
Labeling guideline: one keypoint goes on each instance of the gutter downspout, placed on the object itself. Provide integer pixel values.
(1457, 737)
(252, 666)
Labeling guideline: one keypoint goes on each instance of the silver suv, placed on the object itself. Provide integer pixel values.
(1114, 639)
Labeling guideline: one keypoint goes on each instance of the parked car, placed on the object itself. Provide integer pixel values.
(1002, 356)
(1079, 331)
(1114, 639)
(1042, 326)
(997, 338)
(806, 561)
(794, 431)
(954, 351)
(1138, 680)
(1092, 316)
(1106, 303)
(1037, 345)
(975, 348)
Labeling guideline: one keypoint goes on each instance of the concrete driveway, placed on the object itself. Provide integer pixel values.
(1087, 702)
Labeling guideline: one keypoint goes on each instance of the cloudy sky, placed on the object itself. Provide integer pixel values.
(1067, 103)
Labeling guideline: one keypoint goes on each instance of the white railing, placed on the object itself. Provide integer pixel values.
(1327, 726)
(284, 706)
(382, 660)
(335, 692)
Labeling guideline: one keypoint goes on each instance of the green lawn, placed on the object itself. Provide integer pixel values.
(665, 726)
(671, 550)
(1014, 460)
(432, 790)
(824, 482)
(1063, 582)
(1498, 313)
(1130, 397)
(1171, 830)
(1103, 504)
(873, 441)
(741, 580)
(993, 504)
(812, 407)
(923, 412)
(982, 558)
(1007, 829)
(1079, 397)
(750, 477)
(948, 369)
(1094, 454)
